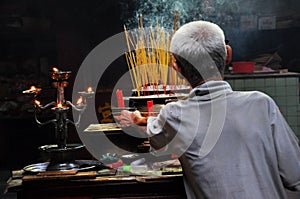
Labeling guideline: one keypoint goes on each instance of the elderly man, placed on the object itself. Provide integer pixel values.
(230, 144)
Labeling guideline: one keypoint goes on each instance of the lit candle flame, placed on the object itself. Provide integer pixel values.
(32, 88)
(37, 102)
(59, 105)
(90, 90)
(55, 69)
(79, 101)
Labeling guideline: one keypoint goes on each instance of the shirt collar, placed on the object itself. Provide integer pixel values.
(210, 90)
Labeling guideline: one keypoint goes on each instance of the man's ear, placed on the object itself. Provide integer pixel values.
(229, 54)
(176, 67)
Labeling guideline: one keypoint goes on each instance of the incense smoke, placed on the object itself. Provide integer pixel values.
(227, 14)
(162, 11)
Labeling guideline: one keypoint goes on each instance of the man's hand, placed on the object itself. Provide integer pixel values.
(128, 118)
(138, 118)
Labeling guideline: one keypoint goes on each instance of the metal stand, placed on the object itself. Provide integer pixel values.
(60, 155)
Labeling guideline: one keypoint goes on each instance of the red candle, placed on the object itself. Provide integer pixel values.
(150, 106)
(120, 98)
(165, 89)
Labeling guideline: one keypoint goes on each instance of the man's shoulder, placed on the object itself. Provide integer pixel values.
(254, 93)
(258, 96)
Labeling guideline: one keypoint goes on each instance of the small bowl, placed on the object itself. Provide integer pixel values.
(55, 154)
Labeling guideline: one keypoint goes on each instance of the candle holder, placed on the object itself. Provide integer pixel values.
(61, 156)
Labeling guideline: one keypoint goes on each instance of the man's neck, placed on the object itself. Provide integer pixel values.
(209, 79)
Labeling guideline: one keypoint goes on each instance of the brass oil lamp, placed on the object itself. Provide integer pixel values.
(61, 156)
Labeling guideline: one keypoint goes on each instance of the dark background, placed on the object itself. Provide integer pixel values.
(36, 35)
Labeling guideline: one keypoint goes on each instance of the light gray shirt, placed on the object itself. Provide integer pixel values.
(232, 145)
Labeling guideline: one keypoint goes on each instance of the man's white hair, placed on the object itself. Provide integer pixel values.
(202, 44)
(197, 37)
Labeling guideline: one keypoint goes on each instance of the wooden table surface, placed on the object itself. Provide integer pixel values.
(90, 184)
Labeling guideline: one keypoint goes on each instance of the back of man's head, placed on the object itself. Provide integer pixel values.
(199, 48)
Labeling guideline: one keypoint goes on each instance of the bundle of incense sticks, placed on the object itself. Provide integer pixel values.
(148, 57)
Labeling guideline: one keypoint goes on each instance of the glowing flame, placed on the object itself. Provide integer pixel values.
(37, 102)
(79, 101)
(55, 69)
(32, 89)
(89, 90)
(59, 105)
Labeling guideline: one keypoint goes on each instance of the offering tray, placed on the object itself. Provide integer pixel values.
(102, 127)
(82, 165)
(140, 102)
(164, 88)
(161, 89)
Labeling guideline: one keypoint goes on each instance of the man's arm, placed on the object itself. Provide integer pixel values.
(288, 152)
(155, 131)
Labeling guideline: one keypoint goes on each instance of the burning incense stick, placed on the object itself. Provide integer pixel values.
(148, 58)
